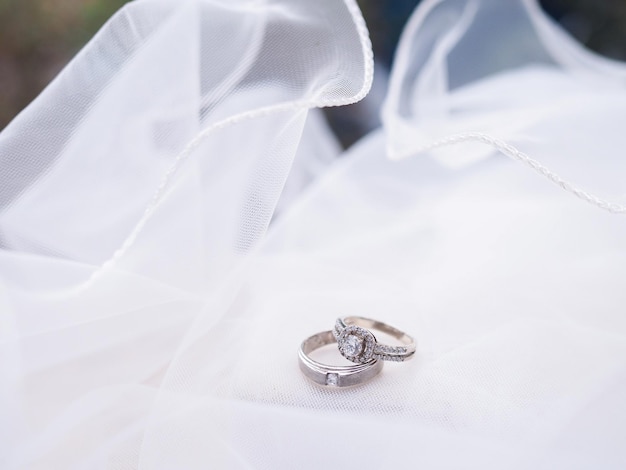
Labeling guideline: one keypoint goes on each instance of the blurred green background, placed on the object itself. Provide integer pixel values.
(38, 37)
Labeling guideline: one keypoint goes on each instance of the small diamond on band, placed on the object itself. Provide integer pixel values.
(332, 379)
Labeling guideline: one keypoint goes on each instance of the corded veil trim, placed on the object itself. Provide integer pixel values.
(516, 154)
(368, 74)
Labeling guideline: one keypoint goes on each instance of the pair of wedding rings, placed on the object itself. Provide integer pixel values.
(357, 344)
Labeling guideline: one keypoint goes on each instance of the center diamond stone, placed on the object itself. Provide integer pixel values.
(352, 345)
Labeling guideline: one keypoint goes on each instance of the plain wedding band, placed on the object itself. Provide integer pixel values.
(334, 376)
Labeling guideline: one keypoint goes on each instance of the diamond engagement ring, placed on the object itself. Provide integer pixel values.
(358, 344)
(334, 376)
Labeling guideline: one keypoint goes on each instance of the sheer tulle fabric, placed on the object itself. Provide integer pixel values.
(148, 320)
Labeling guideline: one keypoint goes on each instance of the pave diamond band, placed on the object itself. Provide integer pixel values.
(334, 376)
(358, 344)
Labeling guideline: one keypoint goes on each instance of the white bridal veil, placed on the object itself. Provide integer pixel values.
(150, 319)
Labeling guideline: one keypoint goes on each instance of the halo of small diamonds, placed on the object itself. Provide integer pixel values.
(355, 348)
(356, 344)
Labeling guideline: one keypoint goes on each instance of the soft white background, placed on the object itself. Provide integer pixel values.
(150, 319)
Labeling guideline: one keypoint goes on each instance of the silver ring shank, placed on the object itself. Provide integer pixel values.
(381, 351)
(333, 376)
